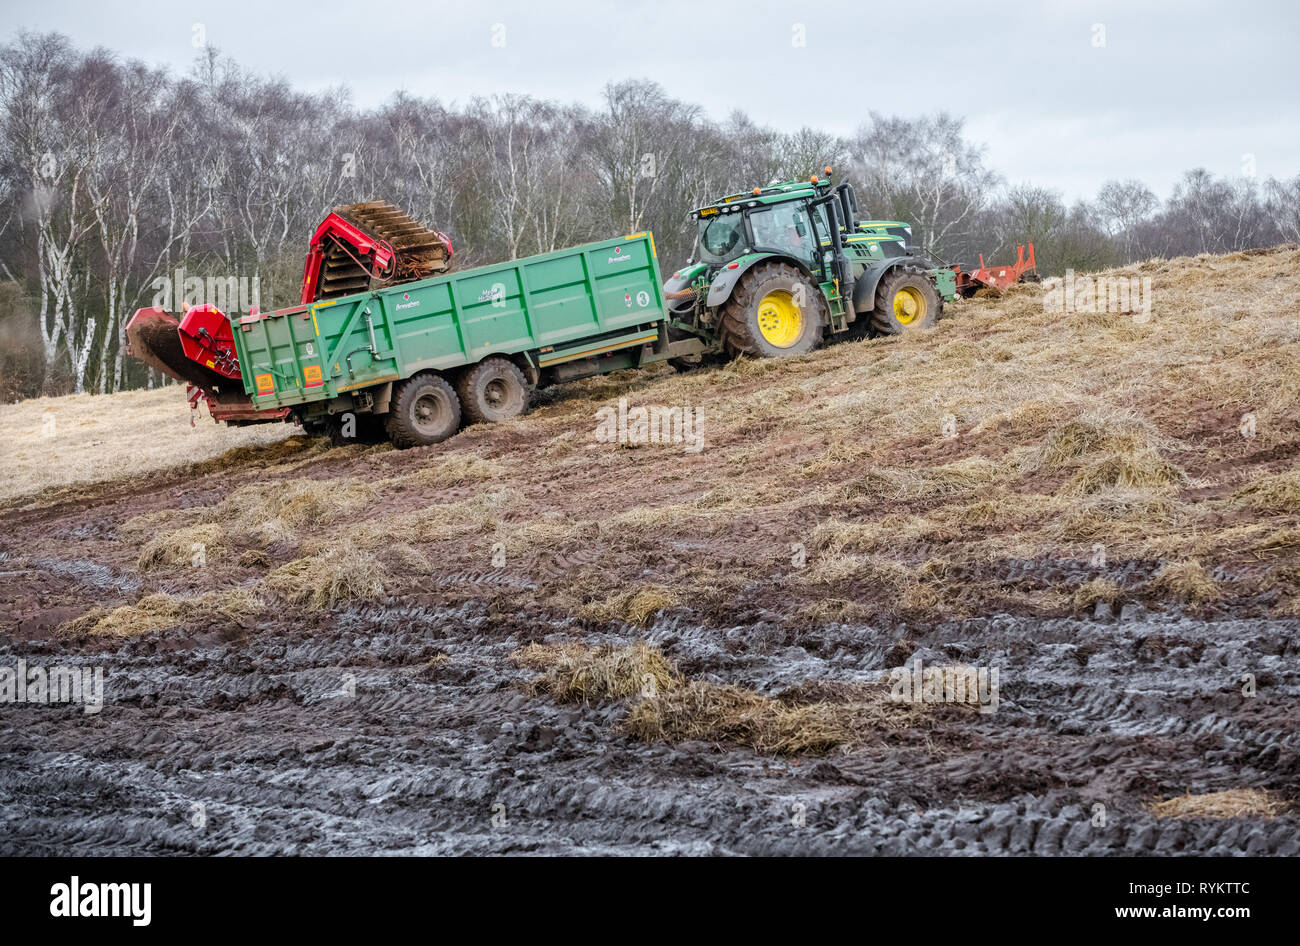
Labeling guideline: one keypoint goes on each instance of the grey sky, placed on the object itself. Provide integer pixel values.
(1176, 85)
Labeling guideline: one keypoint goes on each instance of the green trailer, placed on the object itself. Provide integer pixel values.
(417, 359)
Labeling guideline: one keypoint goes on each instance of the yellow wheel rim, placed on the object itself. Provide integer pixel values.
(779, 319)
(909, 306)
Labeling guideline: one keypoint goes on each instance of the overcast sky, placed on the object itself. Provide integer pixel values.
(1064, 94)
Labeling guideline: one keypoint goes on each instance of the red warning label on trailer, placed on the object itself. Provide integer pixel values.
(311, 375)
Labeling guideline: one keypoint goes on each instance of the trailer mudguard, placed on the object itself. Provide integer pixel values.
(727, 277)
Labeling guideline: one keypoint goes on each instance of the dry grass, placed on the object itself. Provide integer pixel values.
(180, 547)
(1107, 450)
(711, 712)
(160, 612)
(1099, 589)
(832, 610)
(337, 575)
(636, 607)
(884, 586)
(452, 469)
(1145, 471)
(1279, 493)
(1233, 803)
(959, 476)
(482, 512)
(577, 674)
(1110, 513)
(81, 438)
(1187, 582)
(151, 522)
(280, 511)
(1094, 433)
(668, 707)
(1280, 540)
(891, 531)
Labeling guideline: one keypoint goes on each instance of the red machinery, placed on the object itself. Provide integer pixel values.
(356, 248)
(361, 245)
(197, 348)
(996, 277)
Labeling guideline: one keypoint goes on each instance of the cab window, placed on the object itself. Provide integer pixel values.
(721, 238)
(783, 229)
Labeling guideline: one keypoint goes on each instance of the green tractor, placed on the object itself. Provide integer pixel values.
(775, 269)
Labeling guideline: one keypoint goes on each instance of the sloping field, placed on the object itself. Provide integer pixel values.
(53, 442)
(672, 646)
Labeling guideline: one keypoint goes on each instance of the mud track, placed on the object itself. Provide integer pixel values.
(350, 734)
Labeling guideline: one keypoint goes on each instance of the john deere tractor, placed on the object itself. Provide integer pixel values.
(778, 267)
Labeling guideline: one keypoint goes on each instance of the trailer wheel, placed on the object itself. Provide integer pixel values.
(492, 391)
(775, 311)
(424, 410)
(906, 301)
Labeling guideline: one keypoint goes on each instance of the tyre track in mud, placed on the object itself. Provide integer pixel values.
(346, 734)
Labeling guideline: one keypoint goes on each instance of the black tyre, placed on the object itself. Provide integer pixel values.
(424, 410)
(906, 301)
(492, 391)
(775, 311)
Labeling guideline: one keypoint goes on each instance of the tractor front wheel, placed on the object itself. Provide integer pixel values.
(775, 311)
(424, 410)
(906, 300)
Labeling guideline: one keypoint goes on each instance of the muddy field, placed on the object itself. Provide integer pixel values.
(316, 650)
(339, 736)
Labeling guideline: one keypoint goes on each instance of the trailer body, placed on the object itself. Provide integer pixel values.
(544, 311)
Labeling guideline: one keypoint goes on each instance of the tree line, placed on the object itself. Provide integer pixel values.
(117, 178)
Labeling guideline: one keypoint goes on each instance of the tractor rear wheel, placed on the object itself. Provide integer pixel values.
(906, 300)
(775, 311)
(493, 390)
(424, 410)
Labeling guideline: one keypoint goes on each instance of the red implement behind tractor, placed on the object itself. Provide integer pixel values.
(1023, 269)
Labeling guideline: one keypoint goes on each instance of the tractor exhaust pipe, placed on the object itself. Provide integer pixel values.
(849, 203)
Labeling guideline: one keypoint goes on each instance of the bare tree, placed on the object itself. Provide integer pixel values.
(923, 171)
(1283, 207)
(642, 138)
(1124, 206)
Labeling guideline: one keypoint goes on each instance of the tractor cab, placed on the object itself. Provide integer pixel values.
(780, 218)
(811, 222)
